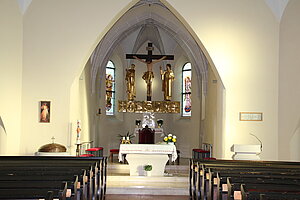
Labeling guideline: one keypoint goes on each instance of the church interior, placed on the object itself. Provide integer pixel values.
(234, 65)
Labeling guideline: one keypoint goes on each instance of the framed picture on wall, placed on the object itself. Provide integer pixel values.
(251, 116)
(45, 111)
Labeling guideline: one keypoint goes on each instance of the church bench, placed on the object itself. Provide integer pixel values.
(214, 187)
(246, 194)
(45, 164)
(88, 182)
(93, 183)
(277, 188)
(197, 181)
(30, 182)
(60, 192)
(257, 163)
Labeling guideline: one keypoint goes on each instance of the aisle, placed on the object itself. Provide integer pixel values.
(175, 182)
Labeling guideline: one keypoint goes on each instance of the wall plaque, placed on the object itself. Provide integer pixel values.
(251, 116)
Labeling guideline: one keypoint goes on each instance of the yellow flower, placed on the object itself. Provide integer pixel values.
(170, 138)
(165, 139)
(174, 139)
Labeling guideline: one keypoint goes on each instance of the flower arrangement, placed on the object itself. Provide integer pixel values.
(170, 138)
(126, 139)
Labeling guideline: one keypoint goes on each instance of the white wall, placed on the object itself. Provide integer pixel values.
(240, 36)
(10, 75)
(289, 88)
(59, 37)
(242, 39)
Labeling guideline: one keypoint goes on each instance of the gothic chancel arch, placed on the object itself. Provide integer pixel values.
(157, 15)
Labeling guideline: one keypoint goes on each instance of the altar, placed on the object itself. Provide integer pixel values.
(139, 155)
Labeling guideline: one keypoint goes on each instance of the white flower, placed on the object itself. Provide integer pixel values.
(174, 136)
(170, 135)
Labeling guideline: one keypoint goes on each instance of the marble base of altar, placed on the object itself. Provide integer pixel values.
(138, 161)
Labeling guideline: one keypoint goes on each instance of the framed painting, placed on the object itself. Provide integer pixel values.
(45, 111)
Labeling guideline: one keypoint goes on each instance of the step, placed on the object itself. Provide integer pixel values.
(147, 191)
(147, 180)
(123, 169)
(147, 185)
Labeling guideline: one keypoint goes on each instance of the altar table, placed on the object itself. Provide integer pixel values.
(139, 155)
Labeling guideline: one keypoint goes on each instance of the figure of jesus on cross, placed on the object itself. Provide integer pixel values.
(149, 61)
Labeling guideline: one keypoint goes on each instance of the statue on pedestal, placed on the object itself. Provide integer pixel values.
(167, 78)
(130, 79)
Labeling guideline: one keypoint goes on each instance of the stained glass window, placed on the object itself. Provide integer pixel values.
(110, 88)
(186, 109)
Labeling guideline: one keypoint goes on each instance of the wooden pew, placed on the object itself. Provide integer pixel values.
(40, 165)
(261, 178)
(259, 186)
(248, 170)
(40, 193)
(270, 195)
(34, 177)
(258, 181)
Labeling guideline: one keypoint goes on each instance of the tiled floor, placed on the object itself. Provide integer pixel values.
(144, 197)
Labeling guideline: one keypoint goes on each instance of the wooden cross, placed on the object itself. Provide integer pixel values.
(148, 59)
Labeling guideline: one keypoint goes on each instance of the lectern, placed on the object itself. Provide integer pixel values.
(246, 152)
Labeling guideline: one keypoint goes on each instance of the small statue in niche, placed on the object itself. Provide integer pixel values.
(167, 78)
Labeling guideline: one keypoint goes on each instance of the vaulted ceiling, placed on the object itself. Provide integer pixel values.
(277, 6)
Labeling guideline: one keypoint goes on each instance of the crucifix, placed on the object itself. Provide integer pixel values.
(149, 60)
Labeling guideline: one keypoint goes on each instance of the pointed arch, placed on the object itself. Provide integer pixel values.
(157, 15)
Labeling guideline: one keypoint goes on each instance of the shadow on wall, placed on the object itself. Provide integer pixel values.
(295, 144)
(2, 137)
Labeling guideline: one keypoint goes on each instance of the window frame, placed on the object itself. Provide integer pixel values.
(113, 91)
(183, 92)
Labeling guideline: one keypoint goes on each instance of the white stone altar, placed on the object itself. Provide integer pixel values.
(246, 152)
(139, 155)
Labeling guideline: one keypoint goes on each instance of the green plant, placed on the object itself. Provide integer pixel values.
(148, 168)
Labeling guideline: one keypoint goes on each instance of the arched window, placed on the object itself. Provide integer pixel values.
(186, 105)
(110, 88)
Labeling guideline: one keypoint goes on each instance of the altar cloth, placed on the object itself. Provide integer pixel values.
(169, 149)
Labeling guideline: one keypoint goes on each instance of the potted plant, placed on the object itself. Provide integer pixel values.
(148, 169)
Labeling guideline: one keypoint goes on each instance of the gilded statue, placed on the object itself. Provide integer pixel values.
(167, 78)
(130, 82)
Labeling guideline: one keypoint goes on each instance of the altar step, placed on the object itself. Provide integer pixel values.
(175, 181)
(147, 185)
